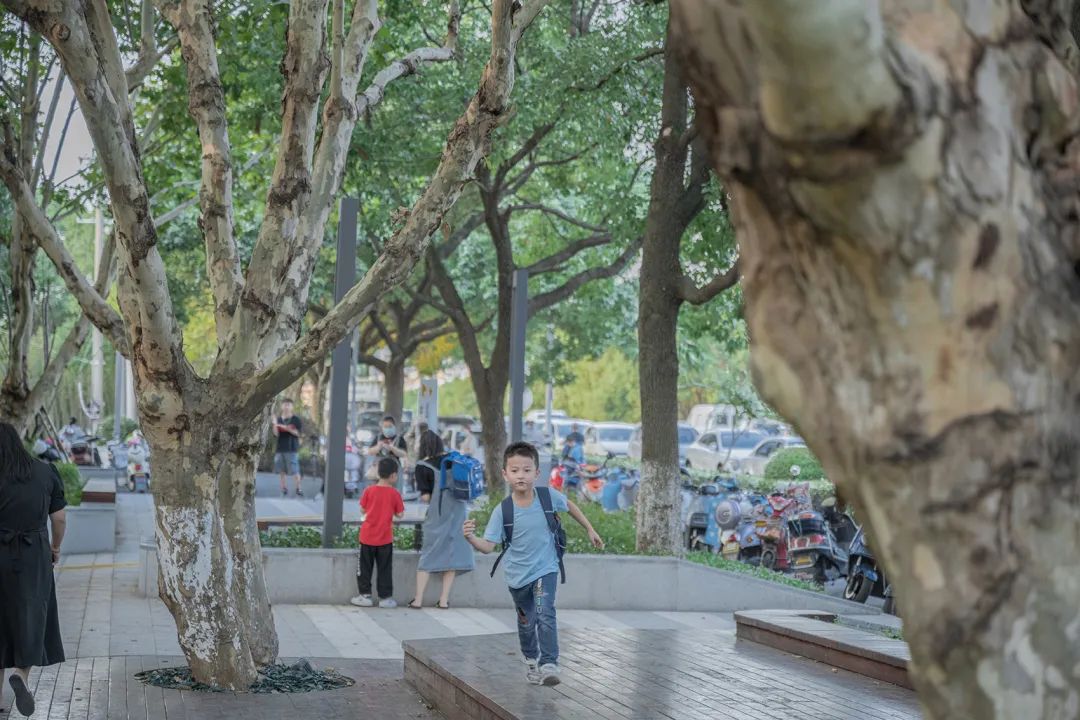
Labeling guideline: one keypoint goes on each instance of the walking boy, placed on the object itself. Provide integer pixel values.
(381, 503)
(532, 561)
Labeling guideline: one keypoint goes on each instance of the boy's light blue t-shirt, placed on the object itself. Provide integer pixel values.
(532, 551)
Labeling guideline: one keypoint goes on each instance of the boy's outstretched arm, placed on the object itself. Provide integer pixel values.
(484, 546)
(594, 537)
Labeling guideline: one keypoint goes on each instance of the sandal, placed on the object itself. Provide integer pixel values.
(443, 607)
(24, 700)
(414, 606)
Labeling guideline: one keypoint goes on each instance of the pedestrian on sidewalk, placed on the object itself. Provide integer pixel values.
(287, 428)
(527, 524)
(444, 550)
(381, 504)
(31, 494)
(387, 444)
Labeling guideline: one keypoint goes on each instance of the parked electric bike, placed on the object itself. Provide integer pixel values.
(865, 577)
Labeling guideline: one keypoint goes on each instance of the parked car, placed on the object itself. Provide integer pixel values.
(759, 457)
(687, 436)
(540, 416)
(608, 437)
(721, 449)
(562, 428)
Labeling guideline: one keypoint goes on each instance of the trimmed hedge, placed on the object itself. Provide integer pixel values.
(779, 468)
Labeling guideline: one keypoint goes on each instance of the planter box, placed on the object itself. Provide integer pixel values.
(594, 582)
(91, 528)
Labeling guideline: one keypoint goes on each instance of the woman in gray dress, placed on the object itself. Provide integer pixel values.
(445, 550)
(31, 493)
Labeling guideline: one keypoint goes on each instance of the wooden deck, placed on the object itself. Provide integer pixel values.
(645, 674)
(814, 636)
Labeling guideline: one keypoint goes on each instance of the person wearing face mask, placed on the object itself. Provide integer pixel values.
(388, 443)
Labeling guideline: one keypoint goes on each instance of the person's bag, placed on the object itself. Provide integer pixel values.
(554, 525)
(460, 475)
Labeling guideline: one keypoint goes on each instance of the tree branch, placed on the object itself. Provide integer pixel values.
(557, 213)
(555, 261)
(533, 141)
(34, 220)
(691, 293)
(193, 22)
(465, 147)
(547, 299)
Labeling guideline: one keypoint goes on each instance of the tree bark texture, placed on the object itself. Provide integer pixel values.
(394, 379)
(907, 210)
(675, 198)
(205, 433)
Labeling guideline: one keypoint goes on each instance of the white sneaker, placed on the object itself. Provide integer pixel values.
(532, 671)
(549, 674)
(389, 603)
(362, 601)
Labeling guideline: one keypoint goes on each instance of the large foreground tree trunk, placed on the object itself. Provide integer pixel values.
(906, 202)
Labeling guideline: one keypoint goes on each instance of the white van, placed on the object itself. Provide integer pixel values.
(709, 417)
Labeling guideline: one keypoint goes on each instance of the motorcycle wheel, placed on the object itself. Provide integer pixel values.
(131, 484)
(857, 588)
(768, 558)
(889, 608)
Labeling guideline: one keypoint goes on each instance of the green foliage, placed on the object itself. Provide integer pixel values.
(722, 563)
(601, 388)
(618, 530)
(779, 468)
(127, 426)
(73, 483)
(310, 537)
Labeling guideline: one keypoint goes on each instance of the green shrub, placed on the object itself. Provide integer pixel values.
(73, 483)
(618, 530)
(722, 563)
(779, 468)
(310, 537)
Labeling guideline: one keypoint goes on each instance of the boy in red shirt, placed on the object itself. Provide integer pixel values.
(381, 503)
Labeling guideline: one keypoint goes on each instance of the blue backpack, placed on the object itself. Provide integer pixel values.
(462, 475)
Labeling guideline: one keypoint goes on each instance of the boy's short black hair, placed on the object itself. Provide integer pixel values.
(521, 449)
(387, 467)
(389, 418)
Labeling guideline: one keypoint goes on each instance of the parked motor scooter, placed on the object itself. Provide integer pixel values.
(723, 512)
(565, 475)
(695, 516)
(865, 577)
(83, 451)
(138, 464)
(44, 450)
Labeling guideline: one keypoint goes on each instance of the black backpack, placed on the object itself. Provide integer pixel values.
(557, 531)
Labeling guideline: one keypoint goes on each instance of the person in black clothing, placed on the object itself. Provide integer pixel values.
(31, 494)
(431, 448)
(287, 428)
(388, 443)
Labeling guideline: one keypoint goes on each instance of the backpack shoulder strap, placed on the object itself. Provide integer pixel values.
(508, 530)
(544, 495)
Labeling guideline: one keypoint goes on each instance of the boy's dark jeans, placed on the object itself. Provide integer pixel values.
(370, 557)
(537, 629)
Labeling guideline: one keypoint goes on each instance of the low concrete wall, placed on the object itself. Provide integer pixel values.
(91, 528)
(593, 582)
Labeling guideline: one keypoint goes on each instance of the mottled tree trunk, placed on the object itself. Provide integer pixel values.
(490, 399)
(198, 571)
(394, 380)
(909, 235)
(658, 372)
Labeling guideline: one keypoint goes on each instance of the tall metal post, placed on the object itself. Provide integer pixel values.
(340, 362)
(519, 321)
